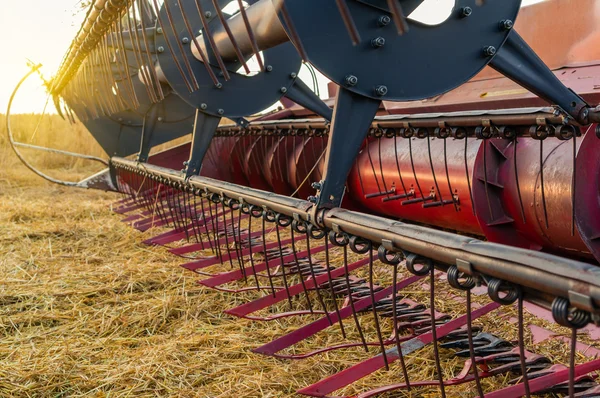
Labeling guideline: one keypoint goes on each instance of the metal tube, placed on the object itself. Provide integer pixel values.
(268, 32)
(540, 274)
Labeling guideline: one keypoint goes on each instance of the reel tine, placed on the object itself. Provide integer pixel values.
(385, 188)
(471, 346)
(267, 256)
(435, 182)
(190, 86)
(302, 281)
(518, 185)
(466, 138)
(255, 49)
(283, 270)
(374, 307)
(398, 16)
(231, 36)
(157, 89)
(435, 341)
(395, 325)
(204, 57)
(368, 150)
(412, 165)
(542, 183)
(206, 30)
(349, 297)
(485, 180)
(348, 21)
(521, 333)
(314, 276)
(293, 32)
(137, 50)
(448, 176)
(331, 290)
(127, 73)
(251, 254)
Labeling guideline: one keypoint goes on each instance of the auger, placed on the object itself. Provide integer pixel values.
(448, 151)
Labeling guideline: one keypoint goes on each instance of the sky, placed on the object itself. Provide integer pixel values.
(41, 30)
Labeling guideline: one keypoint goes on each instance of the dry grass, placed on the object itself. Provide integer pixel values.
(87, 310)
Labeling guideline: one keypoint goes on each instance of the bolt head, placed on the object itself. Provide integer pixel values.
(312, 199)
(208, 14)
(185, 40)
(160, 49)
(384, 20)
(489, 51)
(269, 68)
(283, 90)
(293, 75)
(160, 119)
(381, 90)
(219, 85)
(378, 42)
(316, 185)
(506, 24)
(159, 30)
(221, 111)
(466, 11)
(351, 80)
(203, 106)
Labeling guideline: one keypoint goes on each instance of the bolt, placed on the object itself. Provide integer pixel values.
(489, 51)
(185, 40)
(186, 163)
(378, 42)
(466, 11)
(384, 20)
(161, 49)
(219, 85)
(381, 90)
(159, 30)
(316, 185)
(312, 199)
(160, 119)
(208, 14)
(283, 90)
(293, 75)
(203, 106)
(221, 111)
(351, 80)
(269, 68)
(506, 24)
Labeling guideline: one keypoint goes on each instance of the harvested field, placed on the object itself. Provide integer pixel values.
(86, 309)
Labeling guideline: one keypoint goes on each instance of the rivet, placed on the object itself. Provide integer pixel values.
(506, 24)
(381, 90)
(489, 51)
(384, 20)
(378, 42)
(351, 80)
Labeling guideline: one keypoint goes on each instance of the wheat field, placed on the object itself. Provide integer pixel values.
(87, 310)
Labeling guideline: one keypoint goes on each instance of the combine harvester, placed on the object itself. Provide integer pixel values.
(447, 149)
